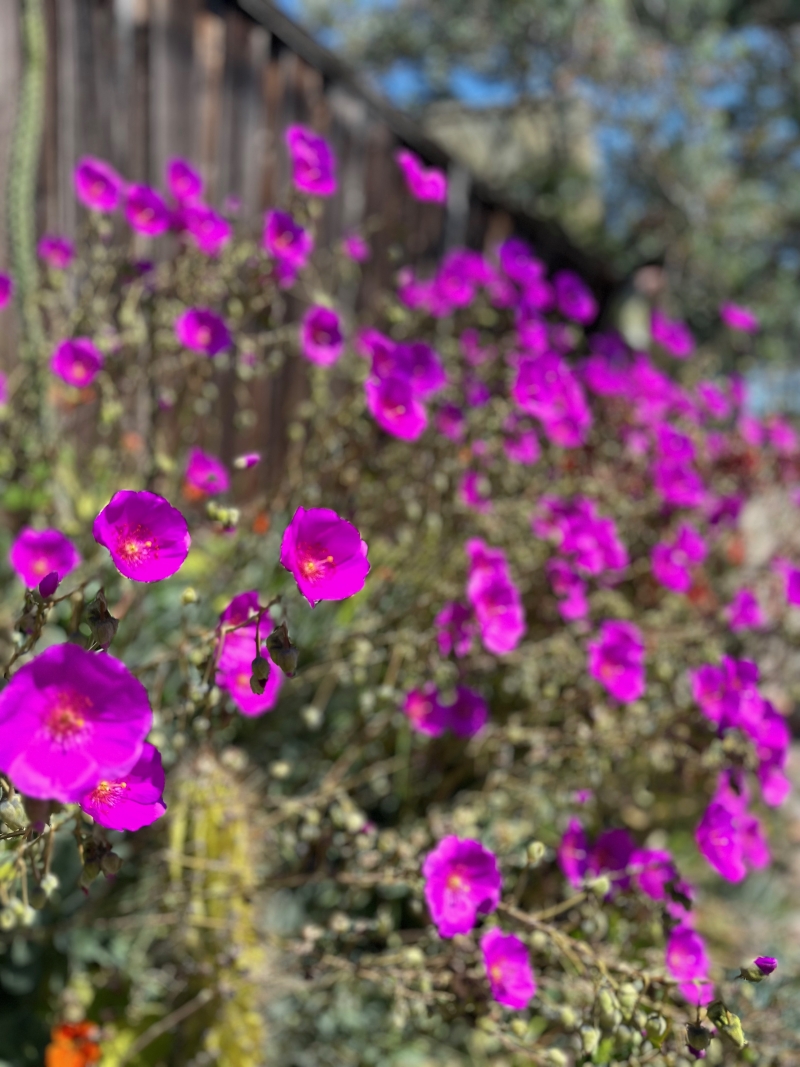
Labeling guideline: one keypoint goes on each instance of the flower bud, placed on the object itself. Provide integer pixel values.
(608, 1014)
(189, 595)
(729, 1026)
(8, 919)
(590, 1039)
(282, 652)
(260, 668)
(257, 686)
(628, 996)
(697, 1037)
(656, 1028)
(48, 585)
(536, 851)
(38, 898)
(91, 870)
(600, 886)
(111, 864)
(102, 624)
(12, 812)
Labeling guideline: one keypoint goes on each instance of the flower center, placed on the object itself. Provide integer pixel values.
(107, 794)
(457, 883)
(40, 566)
(98, 187)
(321, 337)
(314, 563)
(65, 719)
(204, 335)
(496, 972)
(135, 544)
(79, 370)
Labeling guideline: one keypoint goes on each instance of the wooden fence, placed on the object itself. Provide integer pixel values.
(140, 81)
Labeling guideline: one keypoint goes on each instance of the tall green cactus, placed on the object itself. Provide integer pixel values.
(23, 175)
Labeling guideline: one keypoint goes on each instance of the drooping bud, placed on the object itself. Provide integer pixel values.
(697, 1037)
(111, 864)
(729, 1026)
(260, 668)
(48, 585)
(189, 595)
(257, 686)
(91, 870)
(282, 652)
(101, 622)
(536, 852)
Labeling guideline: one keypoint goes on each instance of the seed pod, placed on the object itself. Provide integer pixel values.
(111, 864)
(260, 668)
(628, 996)
(101, 622)
(656, 1028)
(729, 1026)
(282, 652)
(13, 813)
(697, 1037)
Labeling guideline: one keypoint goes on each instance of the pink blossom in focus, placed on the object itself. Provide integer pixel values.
(395, 406)
(321, 338)
(738, 317)
(70, 719)
(687, 962)
(184, 181)
(744, 612)
(206, 475)
(326, 555)
(98, 185)
(57, 252)
(424, 183)
(146, 211)
(574, 299)
(673, 562)
(672, 335)
(508, 969)
(77, 362)
(287, 240)
(462, 881)
(209, 230)
(616, 659)
(202, 330)
(37, 553)
(313, 162)
(132, 801)
(147, 537)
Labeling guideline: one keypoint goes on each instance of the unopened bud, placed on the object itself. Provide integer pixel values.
(111, 864)
(536, 851)
(8, 919)
(590, 1039)
(101, 622)
(260, 668)
(50, 884)
(38, 898)
(189, 595)
(656, 1028)
(600, 886)
(608, 1014)
(282, 652)
(13, 813)
(48, 585)
(628, 996)
(697, 1037)
(729, 1026)
(257, 685)
(91, 870)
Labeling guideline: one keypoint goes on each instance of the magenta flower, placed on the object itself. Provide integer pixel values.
(652, 871)
(235, 654)
(499, 612)
(356, 248)
(714, 400)
(468, 714)
(6, 290)
(70, 719)
(395, 406)
(37, 553)
(581, 532)
(184, 182)
(450, 422)
(574, 298)
(203, 331)
(687, 961)
(424, 183)
(672, 335)
(146, 211)
(728, 836)
(206, 475)
(519, 263)
(77, 362)
(546, 388)
(474, 492)
(98, 185)
(766, 964)
(672, 562)
(421, 365)
(508, 969)
(782, 437)
(462, 881)
(455, 629)
(678, 484)
(424, 711)
(286, 240)
(573, 854)
(325, 554)
(321, 338)
(57, 252)
(247, 460)
(739, 318)
(616, 659)
(209, 230)
(147, 537)
(133, 800)
(611, 854)
(313, 162)
(570, 588)
(744, 612)
(521, 445)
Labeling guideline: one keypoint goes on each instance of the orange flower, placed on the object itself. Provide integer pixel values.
(72, 1045)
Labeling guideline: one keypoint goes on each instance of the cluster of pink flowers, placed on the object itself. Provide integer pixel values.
(235, 653)
(494, 598)
(463, 883)
(402, 378)
(429, 714)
